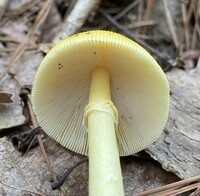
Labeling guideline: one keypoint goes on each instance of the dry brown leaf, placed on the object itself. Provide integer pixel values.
(5, 97)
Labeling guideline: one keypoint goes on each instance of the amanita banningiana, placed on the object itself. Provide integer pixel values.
(100, 94)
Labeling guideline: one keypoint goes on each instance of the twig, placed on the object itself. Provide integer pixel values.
(196, 25)
(66, 174)
(170, 23)
(148, 11)
(196, 193)
(141, 24)
(21, 189)
(186, 32)
(140, 9)
(177, 190)
(171, 186)
(180, 190)
(75, 19)
(185, 27)
(139, 41)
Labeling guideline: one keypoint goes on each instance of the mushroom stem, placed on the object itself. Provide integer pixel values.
(105, 176)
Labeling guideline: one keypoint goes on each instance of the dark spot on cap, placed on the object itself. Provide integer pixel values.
(60, 66)
(94, 52)
(117, 88)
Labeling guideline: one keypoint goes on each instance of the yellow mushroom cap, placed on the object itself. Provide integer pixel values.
(139, 90)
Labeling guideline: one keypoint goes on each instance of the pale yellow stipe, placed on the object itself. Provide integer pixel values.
(105, 176)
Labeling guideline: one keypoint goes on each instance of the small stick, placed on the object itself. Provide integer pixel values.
(60, 182)
(196, 30)
(148, 11)
(170, 23)
(140, 11)
(141, 24)
(186, 32)
(178, 190)
(197, 192)
(170, 186)
(185, 28)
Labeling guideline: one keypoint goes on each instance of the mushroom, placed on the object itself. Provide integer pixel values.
(100, 94)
